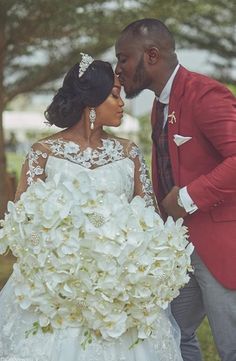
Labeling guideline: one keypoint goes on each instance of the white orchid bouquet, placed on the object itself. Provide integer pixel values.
(93, 259)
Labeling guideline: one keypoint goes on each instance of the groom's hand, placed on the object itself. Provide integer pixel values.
(171, 206)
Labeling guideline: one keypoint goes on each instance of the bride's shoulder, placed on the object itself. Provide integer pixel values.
(47, 143)
(127, 144)
(55, 137)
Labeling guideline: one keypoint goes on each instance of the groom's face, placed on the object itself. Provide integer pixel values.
(131, 67)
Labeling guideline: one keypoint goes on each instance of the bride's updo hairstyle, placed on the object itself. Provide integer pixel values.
(89, 90)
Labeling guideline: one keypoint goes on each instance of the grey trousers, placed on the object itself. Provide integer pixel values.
(203, 295)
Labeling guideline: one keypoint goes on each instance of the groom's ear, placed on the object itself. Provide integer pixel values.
(152, 55)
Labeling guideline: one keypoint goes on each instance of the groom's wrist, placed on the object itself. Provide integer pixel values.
(186, 201)
(179, 201)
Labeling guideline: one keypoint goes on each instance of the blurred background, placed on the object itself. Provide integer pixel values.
(41, 39)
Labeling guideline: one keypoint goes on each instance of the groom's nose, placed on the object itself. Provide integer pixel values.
(117, 69)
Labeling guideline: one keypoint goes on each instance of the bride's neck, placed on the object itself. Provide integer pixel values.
(81, 133)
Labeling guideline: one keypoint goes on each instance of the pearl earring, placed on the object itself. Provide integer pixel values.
(92, 117)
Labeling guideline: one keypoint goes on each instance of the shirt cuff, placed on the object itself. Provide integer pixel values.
(189, 205)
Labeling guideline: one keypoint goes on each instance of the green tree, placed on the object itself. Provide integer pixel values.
(208, 25)
(213, 28)
(40, 40)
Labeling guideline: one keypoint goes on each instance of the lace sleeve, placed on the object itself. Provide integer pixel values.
(32, 168)
(142, 182)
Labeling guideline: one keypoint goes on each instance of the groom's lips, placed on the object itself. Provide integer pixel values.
(121, 81)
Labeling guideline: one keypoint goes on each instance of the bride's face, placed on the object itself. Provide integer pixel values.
(110, 112)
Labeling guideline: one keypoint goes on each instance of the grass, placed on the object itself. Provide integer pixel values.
(6, 263)
(207, 344)
(14, 162)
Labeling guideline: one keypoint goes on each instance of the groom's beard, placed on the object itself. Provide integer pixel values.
(140, 81)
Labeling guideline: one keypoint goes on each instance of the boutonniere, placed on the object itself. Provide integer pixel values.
(172, 117)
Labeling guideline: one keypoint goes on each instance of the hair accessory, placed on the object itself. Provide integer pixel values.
(84, 64)
(92, 117)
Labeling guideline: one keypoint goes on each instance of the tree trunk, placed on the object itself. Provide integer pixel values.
(3, 181)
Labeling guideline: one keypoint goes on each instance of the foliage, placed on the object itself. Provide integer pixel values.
(14, 162)
(233, 89)
(206, 341)
(6, 263)
(204, 25)
(42, 39)
(212, 26)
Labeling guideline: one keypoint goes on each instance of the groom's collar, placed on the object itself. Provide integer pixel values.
(165, 94)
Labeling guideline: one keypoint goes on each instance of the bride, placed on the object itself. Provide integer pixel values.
(88, 100)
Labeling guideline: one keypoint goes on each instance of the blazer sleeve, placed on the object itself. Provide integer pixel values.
(216, 118)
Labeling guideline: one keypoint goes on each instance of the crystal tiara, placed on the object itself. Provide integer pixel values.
(84, 64)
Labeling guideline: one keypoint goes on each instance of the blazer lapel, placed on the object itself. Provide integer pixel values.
(154, 153)
(174, 119)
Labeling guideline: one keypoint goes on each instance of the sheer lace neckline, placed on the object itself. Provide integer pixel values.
(111, 150)
(74, 147)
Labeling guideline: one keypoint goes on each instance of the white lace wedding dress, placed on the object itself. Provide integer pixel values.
(116, 166)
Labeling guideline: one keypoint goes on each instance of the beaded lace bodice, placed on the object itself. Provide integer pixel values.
(117, 165)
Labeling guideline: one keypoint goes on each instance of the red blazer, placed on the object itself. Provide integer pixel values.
(206, 111)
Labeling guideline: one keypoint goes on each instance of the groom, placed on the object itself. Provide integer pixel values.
(194, 175)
